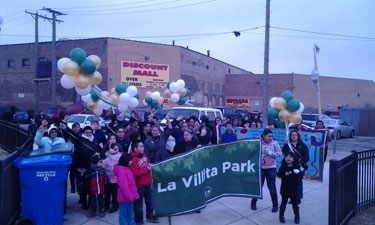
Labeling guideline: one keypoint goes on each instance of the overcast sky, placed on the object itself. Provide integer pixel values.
(350, 53)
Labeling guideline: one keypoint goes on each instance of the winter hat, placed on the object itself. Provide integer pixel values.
(95, 159)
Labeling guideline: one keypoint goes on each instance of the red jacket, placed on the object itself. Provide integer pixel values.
(140, 169)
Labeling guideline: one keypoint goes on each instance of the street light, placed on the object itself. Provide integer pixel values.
(315, 79)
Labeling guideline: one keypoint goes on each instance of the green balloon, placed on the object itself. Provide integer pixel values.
(126, 85)
(148, 100)
(136, 96)
(181, 101)
(293, 105)
(187, 92)
(85, 107)
(169, 84)
(280, 124)
(154, 103)
(273, 114)
(119, 89)
(88, 67)
(158, 106)
(287, 95)
(78, 55)
(95, 97)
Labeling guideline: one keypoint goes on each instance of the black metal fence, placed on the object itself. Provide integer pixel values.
(15, 140)
(351, 186)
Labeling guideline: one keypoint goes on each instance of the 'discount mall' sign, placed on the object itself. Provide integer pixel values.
(142, 74)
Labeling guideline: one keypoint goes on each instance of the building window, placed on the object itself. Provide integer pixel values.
(228, 70)
(11, 64)
(207, 67)
(194, 63)
(25, 62)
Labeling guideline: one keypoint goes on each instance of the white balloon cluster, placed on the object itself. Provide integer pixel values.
(178, 91)
(128, 99)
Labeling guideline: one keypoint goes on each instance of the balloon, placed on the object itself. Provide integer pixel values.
(120, 89)
(168, 84)
(96, 78)
(167, 93)
(88, 67)
(155, 95)
(148, 100)
(144, 103)
(181, 101)
(180, 83)
(61, 62)
(133, 102)
(71, 68)
(273, 114)
(280, 103)
(284, 115)
(280, 124)
(131, 91)
(154, 103)
(182, 92)
(136, 96)
(124, 98)
(103, 105)
(113, 91)
(98, 111)
(95, 59)
(78, 55)
(95, 97)
(187, 92)
(91, 105)
(175, 97)
(160, 100)
(287, 95)
(115, 99)
(293, 105)
(272, 102)
(86, 98)
(301, 108)
(148, 93)
(67, 82)
(295, 118)
(105, 93)
(81, 81)
(122, 107)
(84, 91)
(126, 86)
(174, 87)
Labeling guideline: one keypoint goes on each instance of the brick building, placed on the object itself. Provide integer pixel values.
(335, 93)
(204, 75)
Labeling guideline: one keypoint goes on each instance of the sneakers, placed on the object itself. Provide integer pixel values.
(253, 206)
(282, 219)
(112, 210)
(296, 220)
(102, 214)
(153, 219)
(91, 214)
(275, 208)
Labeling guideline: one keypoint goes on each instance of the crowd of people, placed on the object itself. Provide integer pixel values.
(111, 165)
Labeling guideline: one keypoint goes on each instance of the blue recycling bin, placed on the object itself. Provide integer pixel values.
(43, 181)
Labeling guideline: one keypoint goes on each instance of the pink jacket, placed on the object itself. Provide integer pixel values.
(109, 164)
(127, 190)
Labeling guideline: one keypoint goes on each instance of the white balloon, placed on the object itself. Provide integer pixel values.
(272, 102)
(124, 98)
(103, 105)
(155, 95)
(122, 107)
(174, 87)
(180, 83)
(67, 82)
(175, 97)
(98, 111)
(83, 91)
(144, 103)
(61, 63)
(86, 98)
(131, 91)
(301, 108)
(133, 102)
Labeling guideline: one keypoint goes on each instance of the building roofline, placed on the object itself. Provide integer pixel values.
(300, 74)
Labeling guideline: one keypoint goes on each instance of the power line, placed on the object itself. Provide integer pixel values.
(101, 6)
(19, 24)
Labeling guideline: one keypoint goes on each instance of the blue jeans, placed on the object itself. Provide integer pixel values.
(270, 175)
(126, 213)
(146, 193)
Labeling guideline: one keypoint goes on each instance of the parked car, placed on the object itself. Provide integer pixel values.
(21, 117)
(333, 115)
(311, 118)
(340, 127)
(293, 126)
(228, 111)
(57, 112)
(74, 109)
(242, 113)
(186, 112)
(7, 112)
(84, 120)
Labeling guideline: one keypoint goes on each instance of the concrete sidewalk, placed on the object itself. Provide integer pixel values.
(233, 210)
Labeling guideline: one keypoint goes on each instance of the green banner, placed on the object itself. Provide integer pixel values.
(189, 181)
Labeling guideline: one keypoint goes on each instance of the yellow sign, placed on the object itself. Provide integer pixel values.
(141, 74)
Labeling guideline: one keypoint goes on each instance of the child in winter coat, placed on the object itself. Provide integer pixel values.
(113, 155)
(141, 170)
(290, 175)
(96, 180)
(127, 190)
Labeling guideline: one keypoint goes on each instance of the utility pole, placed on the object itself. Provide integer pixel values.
(53, 76)
(266, 62)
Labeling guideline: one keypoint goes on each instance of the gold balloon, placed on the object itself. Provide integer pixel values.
(160, 100)
(113, 91)
(82, 81)
(105, 93)
(182, 92)
(115, 99)
(280, 103)
(71, 68)
(96, 78)
(148, 93)
(284, 115)
(91, 105)
(95, 59)
(295, 118)
(167, 93)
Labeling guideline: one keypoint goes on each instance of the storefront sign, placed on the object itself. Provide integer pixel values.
(141, 74)
(237, 102)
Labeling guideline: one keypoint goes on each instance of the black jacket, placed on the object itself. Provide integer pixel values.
(155, 147)
(85, 150)
(289, 184)
(184, 146)
(301, 151)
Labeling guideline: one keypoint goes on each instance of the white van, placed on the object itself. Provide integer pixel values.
(186, 112)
